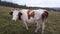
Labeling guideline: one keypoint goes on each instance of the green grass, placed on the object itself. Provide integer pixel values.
(7, 26)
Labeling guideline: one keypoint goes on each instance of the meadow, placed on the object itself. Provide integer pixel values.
(7, 26)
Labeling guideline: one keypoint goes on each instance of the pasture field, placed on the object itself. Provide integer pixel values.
(7, 26)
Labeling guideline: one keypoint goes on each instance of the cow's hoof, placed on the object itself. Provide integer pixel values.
(26, 30)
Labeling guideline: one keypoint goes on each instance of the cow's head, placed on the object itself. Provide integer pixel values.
(16, 15)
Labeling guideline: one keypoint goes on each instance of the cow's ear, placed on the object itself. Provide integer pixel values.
(11, 13)
(20, 14)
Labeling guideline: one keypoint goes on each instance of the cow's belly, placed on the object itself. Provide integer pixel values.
(31, 20)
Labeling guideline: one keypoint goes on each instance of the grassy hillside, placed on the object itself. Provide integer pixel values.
(7, 26)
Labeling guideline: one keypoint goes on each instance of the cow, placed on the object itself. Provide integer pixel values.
(38, 16)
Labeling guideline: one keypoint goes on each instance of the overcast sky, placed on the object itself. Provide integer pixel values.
(37, 3)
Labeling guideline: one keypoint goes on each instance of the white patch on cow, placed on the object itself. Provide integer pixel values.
(38, 14)
(15, 15)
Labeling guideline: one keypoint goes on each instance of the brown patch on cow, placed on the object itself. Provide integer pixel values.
(44, 15)
(19, 16)
(30, 13)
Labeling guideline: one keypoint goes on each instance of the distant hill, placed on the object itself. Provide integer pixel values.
(57, 8)
(8, 4)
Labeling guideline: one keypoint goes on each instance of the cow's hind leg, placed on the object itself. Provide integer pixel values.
(43, 25)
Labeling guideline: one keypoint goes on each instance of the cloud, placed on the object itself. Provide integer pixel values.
(40, 3)
(44, 3)
(20, 2)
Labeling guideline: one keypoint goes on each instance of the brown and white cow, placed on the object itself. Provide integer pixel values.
(38, 16)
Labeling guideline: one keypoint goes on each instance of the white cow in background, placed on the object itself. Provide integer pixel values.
(38, 16)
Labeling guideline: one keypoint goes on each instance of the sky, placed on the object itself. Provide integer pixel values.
(36, 3)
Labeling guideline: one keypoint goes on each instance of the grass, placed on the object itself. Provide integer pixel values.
(7, 26)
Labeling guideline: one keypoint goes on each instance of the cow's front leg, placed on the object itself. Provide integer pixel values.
(25, 23)
(37, 27)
